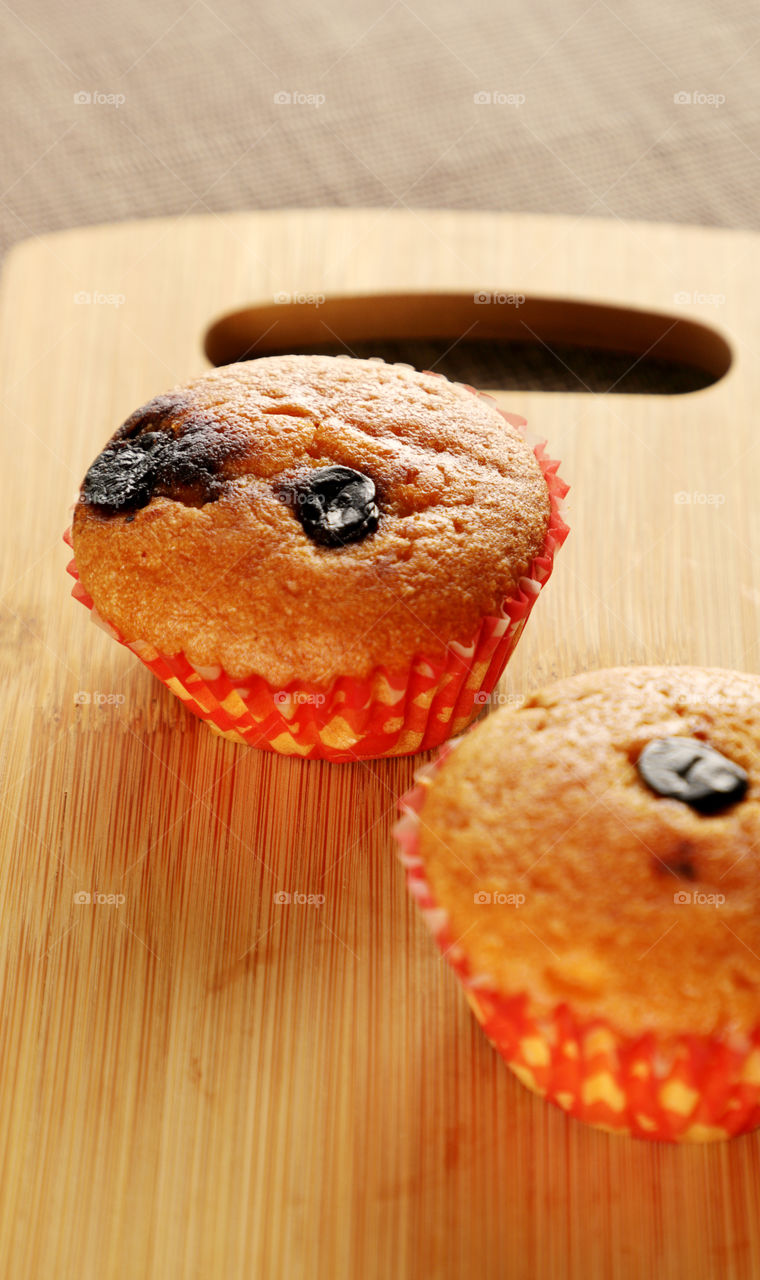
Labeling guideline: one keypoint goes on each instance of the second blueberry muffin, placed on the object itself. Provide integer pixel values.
(321, 555)
(590, 864)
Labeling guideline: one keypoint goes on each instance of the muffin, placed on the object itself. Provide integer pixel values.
(324, 556)
(589, 864)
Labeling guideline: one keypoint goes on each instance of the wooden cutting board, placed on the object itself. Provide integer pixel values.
(194, 1079)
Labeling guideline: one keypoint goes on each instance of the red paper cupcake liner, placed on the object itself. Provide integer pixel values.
(387, 713)
(679, 1088)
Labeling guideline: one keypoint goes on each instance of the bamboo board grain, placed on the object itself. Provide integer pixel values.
(201, 1082)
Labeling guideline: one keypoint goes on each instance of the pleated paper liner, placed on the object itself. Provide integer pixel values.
(388, 713)
(680, 1088)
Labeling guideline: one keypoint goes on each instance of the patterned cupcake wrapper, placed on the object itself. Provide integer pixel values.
(680, 1088)
(387, 713)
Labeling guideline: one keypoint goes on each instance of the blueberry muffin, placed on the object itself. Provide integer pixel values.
(590, 862)
(320, 555)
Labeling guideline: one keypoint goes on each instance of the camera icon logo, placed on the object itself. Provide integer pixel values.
(681, 898)
(282, 899)
(682, 99)
(481, 99)
(282, 98)
(82, 99)
(482, 297)
(82, 698)
(481, 898)
(82, 898)
(282, 299)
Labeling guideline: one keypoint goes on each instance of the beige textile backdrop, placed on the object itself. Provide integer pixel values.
(183, 116)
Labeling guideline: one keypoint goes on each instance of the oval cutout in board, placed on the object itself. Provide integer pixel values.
(494, 340)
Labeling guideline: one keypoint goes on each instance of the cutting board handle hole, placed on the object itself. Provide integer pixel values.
(497, 341)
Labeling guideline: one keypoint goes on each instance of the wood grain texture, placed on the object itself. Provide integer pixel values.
(202, 1082)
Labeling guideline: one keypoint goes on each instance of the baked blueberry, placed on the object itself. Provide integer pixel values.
(336, 505)
(693, 771)
(123, 476)
(164, 450)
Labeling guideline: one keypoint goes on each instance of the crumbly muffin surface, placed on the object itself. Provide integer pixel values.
(635, 907)
(215, 563)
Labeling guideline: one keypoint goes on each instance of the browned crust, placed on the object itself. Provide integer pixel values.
(236, 581)
(545, 801)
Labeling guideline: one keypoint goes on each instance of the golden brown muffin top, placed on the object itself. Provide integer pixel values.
(635, 907)
(216, 563)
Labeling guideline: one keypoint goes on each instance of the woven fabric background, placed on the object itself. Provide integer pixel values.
(182, 112)
(612, 108)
